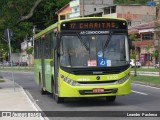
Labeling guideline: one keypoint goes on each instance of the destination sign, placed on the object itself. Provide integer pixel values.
(92, 25)
(93, 32)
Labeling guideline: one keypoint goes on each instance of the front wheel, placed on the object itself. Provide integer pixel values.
(58, 99)
(110, 98)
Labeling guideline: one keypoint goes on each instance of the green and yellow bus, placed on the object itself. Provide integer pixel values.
(83, 57)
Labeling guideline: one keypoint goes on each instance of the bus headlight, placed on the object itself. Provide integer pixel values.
(69, 81)
(122, 80)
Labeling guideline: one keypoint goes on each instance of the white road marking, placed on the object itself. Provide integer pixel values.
(146, 86)
(32, 104)
(139, 92)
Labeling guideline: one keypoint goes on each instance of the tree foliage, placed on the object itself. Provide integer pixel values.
(45, 13)
(29, 50)
(155, 54)
(147, 48)
(21, 15)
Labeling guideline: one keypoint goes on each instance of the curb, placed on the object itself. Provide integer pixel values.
(146, 72)
(35, 105)
(31, 100)
(148, 84)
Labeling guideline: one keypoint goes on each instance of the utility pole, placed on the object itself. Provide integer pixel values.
(159, 54)
(34, 29)
(2, 60)
(83, 8)
(135, 70)
(9, 45)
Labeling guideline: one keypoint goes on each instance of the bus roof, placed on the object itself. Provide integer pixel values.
(81, 18)
(46, 30)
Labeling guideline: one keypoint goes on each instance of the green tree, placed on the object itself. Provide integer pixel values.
(21, 15)
(147, 48)
(13, 15)
(133, 37)
(29, 51)
(155, 55)
(3, 49)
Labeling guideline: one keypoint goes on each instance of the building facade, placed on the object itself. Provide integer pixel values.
(148, 43)
(140, 22)
(134, 14)
(82, 8)
(63, 13)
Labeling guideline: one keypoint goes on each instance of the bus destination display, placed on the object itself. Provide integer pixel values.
(90, 25)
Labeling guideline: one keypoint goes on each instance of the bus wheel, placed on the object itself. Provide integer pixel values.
(110, 98)
(41, 85)
(43, 92)
(58, 99)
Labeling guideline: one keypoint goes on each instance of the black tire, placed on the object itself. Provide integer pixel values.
(43, 92)
(58, 99)
(110, 98)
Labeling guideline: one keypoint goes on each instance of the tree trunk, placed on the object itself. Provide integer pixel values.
(30, 14)
(135, 70)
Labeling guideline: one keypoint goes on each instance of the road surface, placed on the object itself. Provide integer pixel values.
(142, 98)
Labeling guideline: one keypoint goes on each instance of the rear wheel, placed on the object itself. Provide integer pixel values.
(110, 98)
(43, 92)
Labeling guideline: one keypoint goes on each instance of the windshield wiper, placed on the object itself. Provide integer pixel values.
(83, 42)
(107, 41)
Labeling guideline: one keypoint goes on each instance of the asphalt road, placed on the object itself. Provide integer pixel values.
(142, 98)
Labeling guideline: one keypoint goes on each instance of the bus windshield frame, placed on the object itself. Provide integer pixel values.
(86, 49)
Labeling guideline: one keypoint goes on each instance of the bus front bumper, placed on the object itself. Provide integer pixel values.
(67, 90)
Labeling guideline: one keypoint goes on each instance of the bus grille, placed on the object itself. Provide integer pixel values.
(90, 72)
(96, 70)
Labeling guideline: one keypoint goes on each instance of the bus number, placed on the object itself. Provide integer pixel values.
(112, 77)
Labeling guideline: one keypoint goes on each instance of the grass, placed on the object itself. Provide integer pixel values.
(1, 79)
(146, 79)
(146, 69)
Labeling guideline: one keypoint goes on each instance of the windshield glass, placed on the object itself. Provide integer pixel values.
(73, 52)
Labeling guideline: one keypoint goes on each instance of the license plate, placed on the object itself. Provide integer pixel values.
(98, 90)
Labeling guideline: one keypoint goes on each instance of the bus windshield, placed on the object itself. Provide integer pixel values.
(73, 52)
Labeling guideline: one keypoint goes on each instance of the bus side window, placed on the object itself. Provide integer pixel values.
(40, 48)
(52, 39)
(36, 49)
(46, 46)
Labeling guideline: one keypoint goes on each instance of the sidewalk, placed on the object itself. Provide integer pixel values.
(17, 100)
